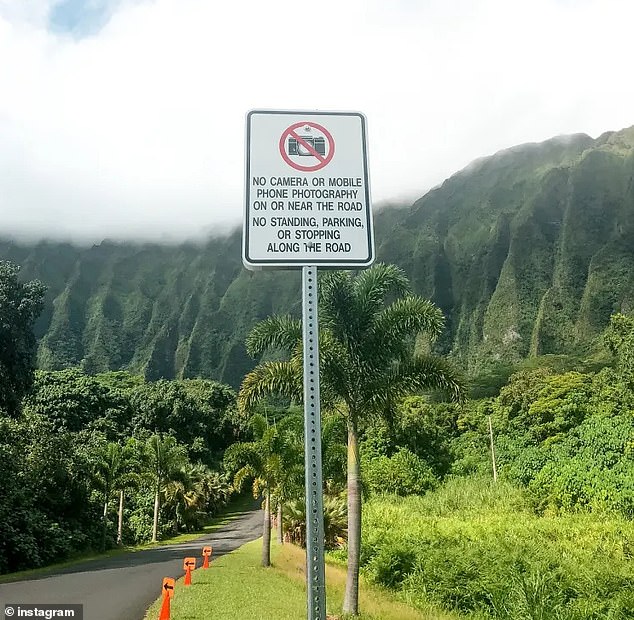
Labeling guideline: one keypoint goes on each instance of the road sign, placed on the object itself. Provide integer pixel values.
(207, 550)
(307, 198)
(168, 587)
(189, 564)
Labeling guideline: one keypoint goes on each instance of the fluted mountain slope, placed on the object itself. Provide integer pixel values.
(527, 252)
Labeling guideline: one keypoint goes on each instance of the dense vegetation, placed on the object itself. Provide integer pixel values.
(526, 253)
(552, 539)
(529, 255)
(369, 323)
(75, 448)
(82, 445)
(481, 550)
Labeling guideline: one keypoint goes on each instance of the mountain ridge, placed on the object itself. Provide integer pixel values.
(527, 251)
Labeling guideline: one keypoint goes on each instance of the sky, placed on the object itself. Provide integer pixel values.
(125, 119)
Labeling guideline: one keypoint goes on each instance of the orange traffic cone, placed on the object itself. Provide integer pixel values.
(206, 562)
(188, 577)
(165, 609)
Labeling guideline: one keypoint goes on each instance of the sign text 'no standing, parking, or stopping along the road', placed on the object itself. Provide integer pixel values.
(307, 190)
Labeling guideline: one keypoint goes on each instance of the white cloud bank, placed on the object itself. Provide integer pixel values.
(137, 131)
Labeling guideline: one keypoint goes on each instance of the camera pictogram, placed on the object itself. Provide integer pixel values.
(298, 148)
(307, 146)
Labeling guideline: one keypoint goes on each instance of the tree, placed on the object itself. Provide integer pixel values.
(109, 467)
(116, 468)
(20, 305)
(165, 458)
(194, 493)
(194, 411)
(268, 462)
(68, 398)
(368, 326)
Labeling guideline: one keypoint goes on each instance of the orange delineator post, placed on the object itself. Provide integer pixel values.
(165, 608)
(207, 551)
(188, 565)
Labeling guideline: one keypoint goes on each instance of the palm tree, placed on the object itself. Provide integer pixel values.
(368, 327)
(268, 462)
(130, 477)
(193, 493)
(115, 469)
(165, 458)
(107, 468)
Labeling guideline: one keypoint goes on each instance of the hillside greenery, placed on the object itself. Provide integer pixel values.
(81, 447)
(527, 253)
(550, 540)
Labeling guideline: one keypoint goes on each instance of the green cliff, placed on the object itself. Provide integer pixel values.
(527, 252)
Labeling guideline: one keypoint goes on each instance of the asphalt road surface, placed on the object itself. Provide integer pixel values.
(123, 587)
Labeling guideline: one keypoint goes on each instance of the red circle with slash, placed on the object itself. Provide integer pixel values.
(322, 160)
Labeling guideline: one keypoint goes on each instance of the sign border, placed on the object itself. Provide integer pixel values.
(259, 264)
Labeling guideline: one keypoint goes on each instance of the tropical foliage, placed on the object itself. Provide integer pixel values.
(91, 460)
(272, 463)
(368, 328)
(20, 305)
(72, 445)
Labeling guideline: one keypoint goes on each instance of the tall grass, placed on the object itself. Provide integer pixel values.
(479, 549)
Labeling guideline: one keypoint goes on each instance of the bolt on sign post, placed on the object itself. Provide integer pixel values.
(207, 551)
(189, 564)
(307, 205)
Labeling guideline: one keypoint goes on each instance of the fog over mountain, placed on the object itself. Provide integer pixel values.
(124, 119)
(528, 252)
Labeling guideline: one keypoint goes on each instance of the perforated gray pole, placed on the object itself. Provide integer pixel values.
(315, 578)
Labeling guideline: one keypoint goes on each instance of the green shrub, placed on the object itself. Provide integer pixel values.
(404, 473)
(480, 549)
(391, 565)
(335, 520)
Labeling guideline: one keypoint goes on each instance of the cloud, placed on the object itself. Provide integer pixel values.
(135, 128)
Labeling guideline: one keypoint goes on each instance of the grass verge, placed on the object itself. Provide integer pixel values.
(236, 587)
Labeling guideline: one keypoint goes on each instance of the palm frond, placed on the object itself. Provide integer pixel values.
(336, 300)
(275, 332)
(242, 475)
(239, 454)
(259, 425)
(405, 317)
(373, 285)
(336, 367)
(284, 378)
(419, 374)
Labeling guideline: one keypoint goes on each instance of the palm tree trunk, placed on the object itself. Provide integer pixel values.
(156, 515)
(105, 523)
(120, 523)
(266, 531)
(280, 531)
(351, 598)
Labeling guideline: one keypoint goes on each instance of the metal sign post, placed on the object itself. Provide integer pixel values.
(312, 450)
(307, 204)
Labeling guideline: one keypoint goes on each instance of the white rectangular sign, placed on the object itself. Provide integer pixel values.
(307, 190)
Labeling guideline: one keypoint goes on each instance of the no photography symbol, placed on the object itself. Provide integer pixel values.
(312, 144)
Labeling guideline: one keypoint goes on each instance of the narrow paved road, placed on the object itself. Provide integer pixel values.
(123, 587)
